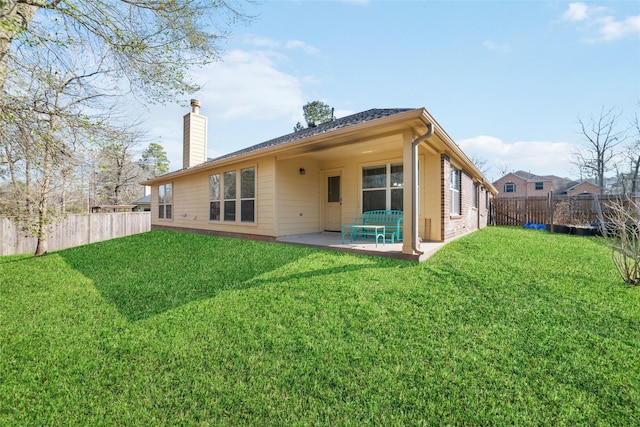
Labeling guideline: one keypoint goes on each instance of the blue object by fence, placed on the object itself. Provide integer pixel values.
(535, 226)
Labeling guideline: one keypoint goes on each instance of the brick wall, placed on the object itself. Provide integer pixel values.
(470, 218)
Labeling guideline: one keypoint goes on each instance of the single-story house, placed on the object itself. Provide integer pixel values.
(322, 177)
(112, 208)
(525, 184)
(143, 204)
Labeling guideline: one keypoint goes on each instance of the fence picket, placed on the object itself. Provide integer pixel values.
(557, 209)
(74, 230)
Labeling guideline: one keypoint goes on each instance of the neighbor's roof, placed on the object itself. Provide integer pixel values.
(145, 200)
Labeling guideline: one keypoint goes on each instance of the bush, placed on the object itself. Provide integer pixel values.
(624, 233)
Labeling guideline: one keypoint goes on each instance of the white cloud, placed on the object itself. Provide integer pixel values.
(247, 98)
(245, 86)
(599, 24)
(300, 45)
(262, 42)
(498, 47)
(537, 157)
(576, 12)
(610, 29)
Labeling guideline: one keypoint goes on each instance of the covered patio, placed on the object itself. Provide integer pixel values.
(333, 240)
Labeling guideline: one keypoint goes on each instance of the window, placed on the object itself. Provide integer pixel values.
(333, 189)
(223, 196)
(214, 197)
(230, 196)
(510, 187)
(382, 187)
(454, 184)
(474, 196)
(539, 185)
(164, 201)
(247, 194)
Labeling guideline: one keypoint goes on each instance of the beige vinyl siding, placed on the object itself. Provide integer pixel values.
(194, 140)
(430, 202)
(265, 197)
(298, 196)
(191, 202)
(351, 169)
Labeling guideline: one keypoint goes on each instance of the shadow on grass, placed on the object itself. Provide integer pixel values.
(147, 274)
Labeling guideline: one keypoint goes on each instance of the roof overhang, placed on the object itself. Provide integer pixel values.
(414, 121)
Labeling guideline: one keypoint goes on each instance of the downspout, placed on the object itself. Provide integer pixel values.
(414, 188)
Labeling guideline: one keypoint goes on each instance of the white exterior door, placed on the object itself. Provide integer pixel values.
(332, 201)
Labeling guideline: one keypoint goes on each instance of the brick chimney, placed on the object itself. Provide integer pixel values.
(194, 140)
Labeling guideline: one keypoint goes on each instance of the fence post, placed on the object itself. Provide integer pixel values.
(550, 210)
(603, 228)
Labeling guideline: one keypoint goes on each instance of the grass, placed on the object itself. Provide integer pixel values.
(503, 326)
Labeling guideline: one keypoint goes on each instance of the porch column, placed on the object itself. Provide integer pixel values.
(407, 200)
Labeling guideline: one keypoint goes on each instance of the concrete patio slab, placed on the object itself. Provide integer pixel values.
(333, 240)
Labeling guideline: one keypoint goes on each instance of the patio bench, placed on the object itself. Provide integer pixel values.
(390, 219)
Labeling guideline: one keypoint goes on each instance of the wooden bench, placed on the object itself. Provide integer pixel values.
(390, 219)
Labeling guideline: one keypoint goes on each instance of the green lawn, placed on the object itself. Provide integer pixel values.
(504, 326)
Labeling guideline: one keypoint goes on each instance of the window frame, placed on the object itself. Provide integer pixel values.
(215, 198)
(511, 185)
(541, 184)
(229, 196)
(251, 197)
(455, 176)
(232, 200)
(390, 186)
(165, 201)
(475, 197)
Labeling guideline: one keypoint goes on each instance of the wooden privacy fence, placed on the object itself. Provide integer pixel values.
(74, 230)
(575, 210)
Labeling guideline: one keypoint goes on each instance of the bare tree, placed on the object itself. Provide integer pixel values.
(481, 163)
(602, 138)
(151, 43)
(118, 173)
(59, 61)
(46, 110)
(624, 230)
(633, 153)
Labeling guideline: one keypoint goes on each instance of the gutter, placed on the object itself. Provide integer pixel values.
(414, 188)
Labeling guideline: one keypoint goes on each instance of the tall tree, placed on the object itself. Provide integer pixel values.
(58, 58)
(315, 113)
(154, 160)
(118, 173)
(43, 119)
(151, 43)
(602, 137)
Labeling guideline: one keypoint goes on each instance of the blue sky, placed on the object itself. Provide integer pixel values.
(507, 80)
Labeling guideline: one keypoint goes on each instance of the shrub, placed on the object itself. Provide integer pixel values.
(624, 232)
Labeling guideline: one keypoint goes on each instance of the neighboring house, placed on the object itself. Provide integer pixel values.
(322, 177)
(112, 208)
(525, 184)
(143, 204)
(582, 188)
